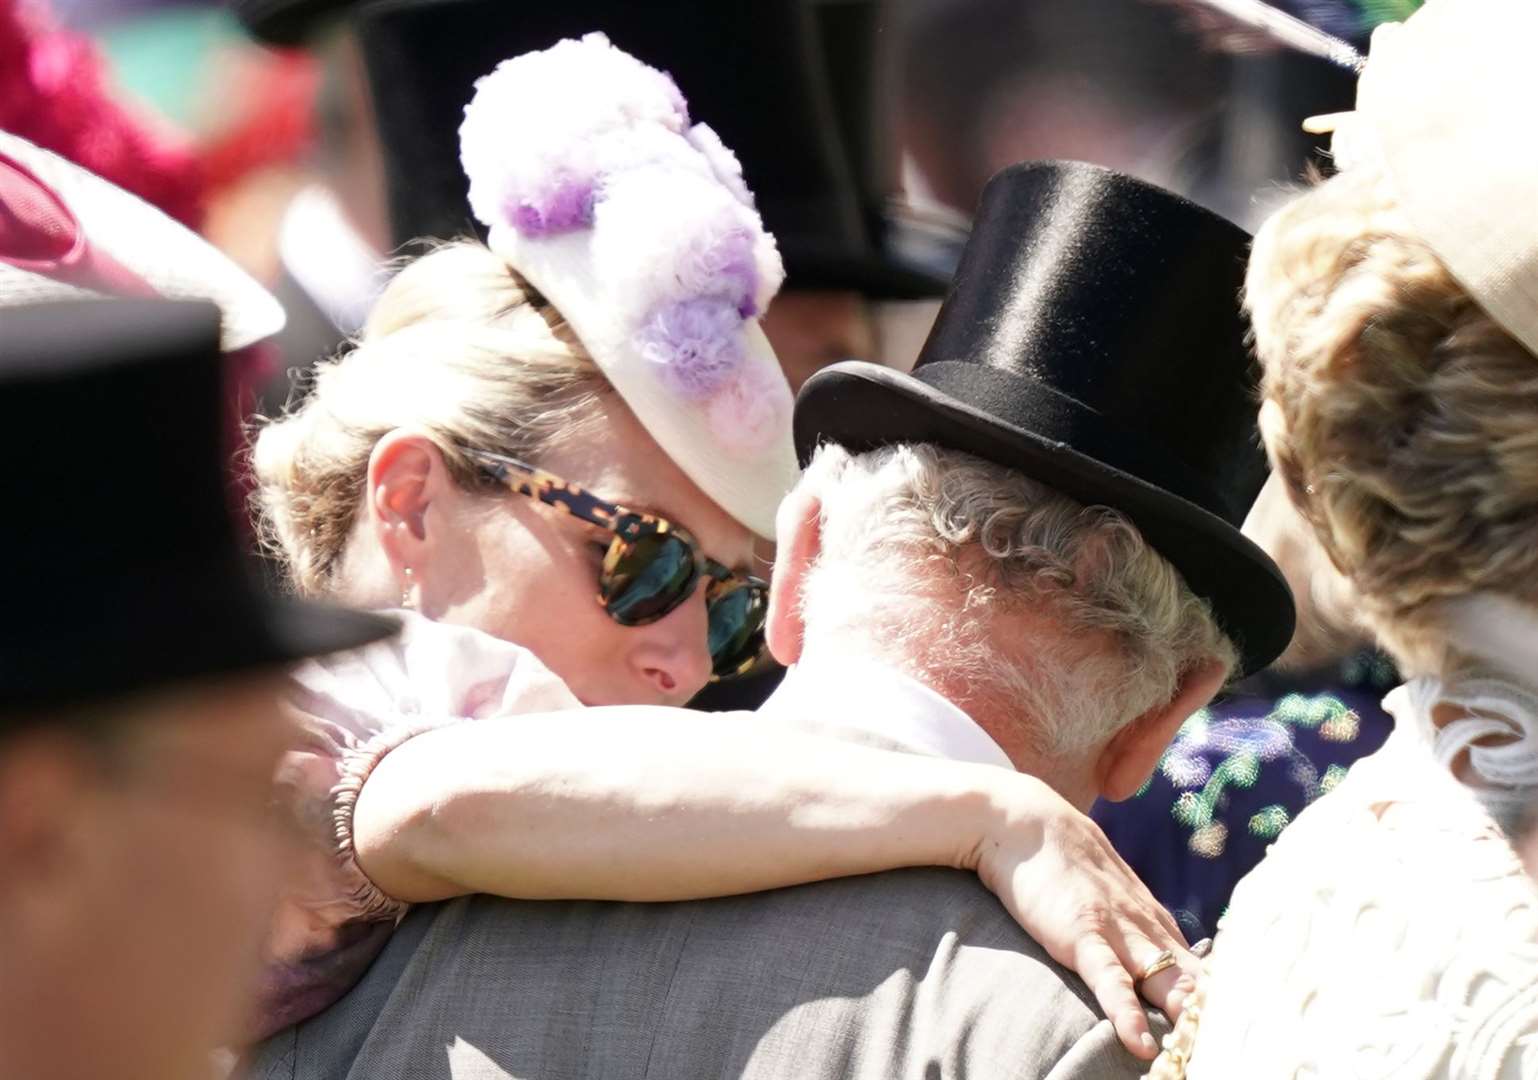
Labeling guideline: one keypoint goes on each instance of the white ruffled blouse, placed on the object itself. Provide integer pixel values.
(1391, 931)
(353, 709)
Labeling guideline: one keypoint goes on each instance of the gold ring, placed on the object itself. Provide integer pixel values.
(1163, 962)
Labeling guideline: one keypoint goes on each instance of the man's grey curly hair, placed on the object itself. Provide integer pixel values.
(923, 548)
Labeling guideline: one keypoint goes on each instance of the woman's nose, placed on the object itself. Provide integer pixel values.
(672, 655)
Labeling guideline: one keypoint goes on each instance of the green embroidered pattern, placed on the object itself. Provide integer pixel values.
(1211, 757)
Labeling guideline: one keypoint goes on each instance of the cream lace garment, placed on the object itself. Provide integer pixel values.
(1391, 931)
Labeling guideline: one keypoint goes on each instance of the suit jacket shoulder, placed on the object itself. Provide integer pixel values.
(915, 973)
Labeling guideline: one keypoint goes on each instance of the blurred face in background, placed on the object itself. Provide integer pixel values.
(348, 156)
(138, 865)
(811, 329)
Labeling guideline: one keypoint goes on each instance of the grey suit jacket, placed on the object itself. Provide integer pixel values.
(916, 974)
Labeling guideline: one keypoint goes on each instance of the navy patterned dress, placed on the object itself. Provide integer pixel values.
(1238, 772)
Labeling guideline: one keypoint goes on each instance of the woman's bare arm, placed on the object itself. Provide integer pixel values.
(645, 803)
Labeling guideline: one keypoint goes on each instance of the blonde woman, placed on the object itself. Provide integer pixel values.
(590, 407)
(1392, 932)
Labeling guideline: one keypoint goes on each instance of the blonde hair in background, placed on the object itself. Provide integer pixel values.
(459, 347)
(1410, 418)
(922, 546)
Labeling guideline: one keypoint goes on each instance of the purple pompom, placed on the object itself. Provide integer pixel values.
(736, 270)
(724, 266)
(696, 344)
(565, 205)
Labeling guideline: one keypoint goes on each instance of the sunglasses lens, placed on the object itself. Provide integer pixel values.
(737, 613)
(644, 579)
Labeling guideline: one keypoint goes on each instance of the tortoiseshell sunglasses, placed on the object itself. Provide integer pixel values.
(651, 566)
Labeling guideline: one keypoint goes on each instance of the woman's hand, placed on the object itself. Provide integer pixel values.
(1057, 874)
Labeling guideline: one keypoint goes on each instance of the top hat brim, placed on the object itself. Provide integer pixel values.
(863, 406)
(300, 629)
(186, 623)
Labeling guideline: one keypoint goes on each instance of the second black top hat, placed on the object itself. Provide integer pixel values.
(1093, 340)
(813, 148)
(126, 568)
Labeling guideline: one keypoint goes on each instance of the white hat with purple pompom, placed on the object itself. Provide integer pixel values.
(638, 227)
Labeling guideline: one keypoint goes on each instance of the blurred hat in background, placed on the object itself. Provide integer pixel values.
(128, 571)
(66, 233)
(798, 89)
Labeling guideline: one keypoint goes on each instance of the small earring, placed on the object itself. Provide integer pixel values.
(406, 588)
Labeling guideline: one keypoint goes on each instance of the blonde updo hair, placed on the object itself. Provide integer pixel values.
(1411, 417)
(459, 347)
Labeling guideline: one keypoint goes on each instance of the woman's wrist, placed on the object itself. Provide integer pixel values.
(961, 810)
(1018, 812)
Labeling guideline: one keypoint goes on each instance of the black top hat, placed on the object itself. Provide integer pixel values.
(125, 571)
(756, 73)
(1093, 341)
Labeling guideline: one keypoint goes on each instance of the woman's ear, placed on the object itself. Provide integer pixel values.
(1273, 428)
(798, 529)
(406, 475)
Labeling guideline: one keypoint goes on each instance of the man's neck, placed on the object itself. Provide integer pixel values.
(1007, 728)
(1012, 730)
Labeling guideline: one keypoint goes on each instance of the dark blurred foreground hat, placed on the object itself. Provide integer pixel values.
(1093, 341)
(125, 569)
(819, 152)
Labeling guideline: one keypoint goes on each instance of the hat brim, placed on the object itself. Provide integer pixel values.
(300, 629)
(163, 630)
(175, 262)
(864, 406)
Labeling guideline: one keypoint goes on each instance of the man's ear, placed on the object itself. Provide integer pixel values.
(1130, 757)
(798, 535)
(406, 473)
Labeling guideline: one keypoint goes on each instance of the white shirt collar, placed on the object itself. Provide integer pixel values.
(865, 697)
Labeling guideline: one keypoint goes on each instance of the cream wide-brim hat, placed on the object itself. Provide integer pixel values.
(160, 256)
(638, 227)
(744, 471)
(1445, 108)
